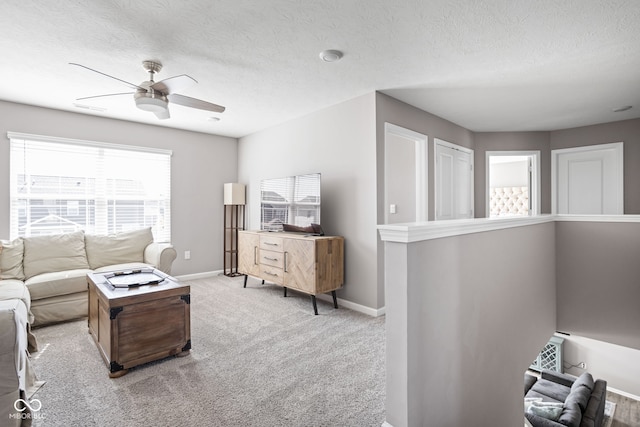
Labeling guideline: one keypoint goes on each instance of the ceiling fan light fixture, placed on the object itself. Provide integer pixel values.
(149, 102)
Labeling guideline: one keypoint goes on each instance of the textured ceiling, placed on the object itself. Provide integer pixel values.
(490, 65)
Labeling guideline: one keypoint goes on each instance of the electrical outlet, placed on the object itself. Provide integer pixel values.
(582, 365)
(187, 254)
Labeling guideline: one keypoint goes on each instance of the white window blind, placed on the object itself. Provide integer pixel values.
(291, 200)
(60, 185)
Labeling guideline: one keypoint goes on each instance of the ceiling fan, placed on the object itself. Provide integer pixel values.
(155, 96)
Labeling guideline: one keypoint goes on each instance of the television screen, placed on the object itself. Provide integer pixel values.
(293, 200)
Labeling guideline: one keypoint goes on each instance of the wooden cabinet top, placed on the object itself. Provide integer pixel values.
(290, 235)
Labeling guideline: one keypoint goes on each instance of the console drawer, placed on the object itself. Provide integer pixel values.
(271, 243)
(272, 258)
(272, 274)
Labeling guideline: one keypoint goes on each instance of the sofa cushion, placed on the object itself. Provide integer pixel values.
(584, 380)
(117, 248)
(57, 252)
(571, 415)
(11, 255)
(59, 283)
(15, 289)
(550, 389)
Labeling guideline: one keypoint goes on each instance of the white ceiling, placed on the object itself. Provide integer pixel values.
(487, 65)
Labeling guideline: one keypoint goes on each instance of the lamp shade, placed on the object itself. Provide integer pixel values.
(234, 193)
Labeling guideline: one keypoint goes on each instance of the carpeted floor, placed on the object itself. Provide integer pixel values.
(258, 359)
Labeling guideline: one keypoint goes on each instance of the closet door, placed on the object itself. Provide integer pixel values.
(588, 180)
(454, 181)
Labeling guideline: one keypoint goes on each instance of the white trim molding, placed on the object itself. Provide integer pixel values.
(598, 218)
(415, 232)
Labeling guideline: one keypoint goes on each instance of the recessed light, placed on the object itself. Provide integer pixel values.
(621, 109)
(330, 55)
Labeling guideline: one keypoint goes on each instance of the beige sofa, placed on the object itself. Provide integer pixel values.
(43, 281)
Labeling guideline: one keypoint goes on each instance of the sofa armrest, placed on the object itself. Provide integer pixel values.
(529, 381)
(160, 255)
(557, 377)
(595, 407)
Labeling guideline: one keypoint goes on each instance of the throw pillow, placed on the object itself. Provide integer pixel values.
(529, 400)
(11, 254)
(548, 410)
(584, 380)
(120, 248)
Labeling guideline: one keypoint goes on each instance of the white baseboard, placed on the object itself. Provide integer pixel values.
(325, 297)
(353, 306)
(203, 275)
(623, 393)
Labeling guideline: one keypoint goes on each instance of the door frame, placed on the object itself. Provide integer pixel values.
(421, 165)
(618, 147)
(535, 188)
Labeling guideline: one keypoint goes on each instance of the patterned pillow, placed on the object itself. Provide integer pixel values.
(548, 410)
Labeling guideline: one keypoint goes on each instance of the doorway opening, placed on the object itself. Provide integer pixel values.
(512, 183)
(405, 170)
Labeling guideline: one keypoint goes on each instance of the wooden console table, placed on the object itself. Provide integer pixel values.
(307, 263)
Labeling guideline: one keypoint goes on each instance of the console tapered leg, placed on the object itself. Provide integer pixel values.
(335, 299)
(285, 292)
(245, 280)
(315, 306)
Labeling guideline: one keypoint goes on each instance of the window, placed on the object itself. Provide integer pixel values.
(60, 185)
(292, 200)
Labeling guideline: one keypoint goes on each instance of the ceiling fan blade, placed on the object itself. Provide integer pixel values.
(195, 103)
(162, 115)
(133, 86)
(101, 96)
(174, 84)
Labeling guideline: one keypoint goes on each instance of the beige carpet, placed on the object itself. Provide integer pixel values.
(258, 359)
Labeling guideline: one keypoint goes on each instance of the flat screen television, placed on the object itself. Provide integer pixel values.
(291, 203)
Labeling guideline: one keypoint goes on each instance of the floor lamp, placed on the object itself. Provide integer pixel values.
(234, 201)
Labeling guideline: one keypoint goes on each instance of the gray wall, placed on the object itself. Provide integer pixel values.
(627, 131)
(598, 281)
(200, 165)
(466, 315)
(340, 143)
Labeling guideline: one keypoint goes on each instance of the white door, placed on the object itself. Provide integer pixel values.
(588, 180)
(454, 181)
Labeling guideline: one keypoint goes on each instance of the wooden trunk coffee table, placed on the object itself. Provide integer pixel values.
(138, 323)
